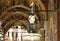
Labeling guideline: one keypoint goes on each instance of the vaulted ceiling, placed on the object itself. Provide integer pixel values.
(13, 10)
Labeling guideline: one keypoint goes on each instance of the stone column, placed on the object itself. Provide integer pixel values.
(19, 34)
(10, 34)
(1, 33)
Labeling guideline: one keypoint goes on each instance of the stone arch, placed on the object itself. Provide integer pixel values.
(24, 9)
(16, 15)
(11, 17)
(19, 8)
(12, 22)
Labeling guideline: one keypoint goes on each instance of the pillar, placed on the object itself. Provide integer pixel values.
(10, 34)
(1, 33)
(19, 34)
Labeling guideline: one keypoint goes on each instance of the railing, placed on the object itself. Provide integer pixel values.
(27, 37)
